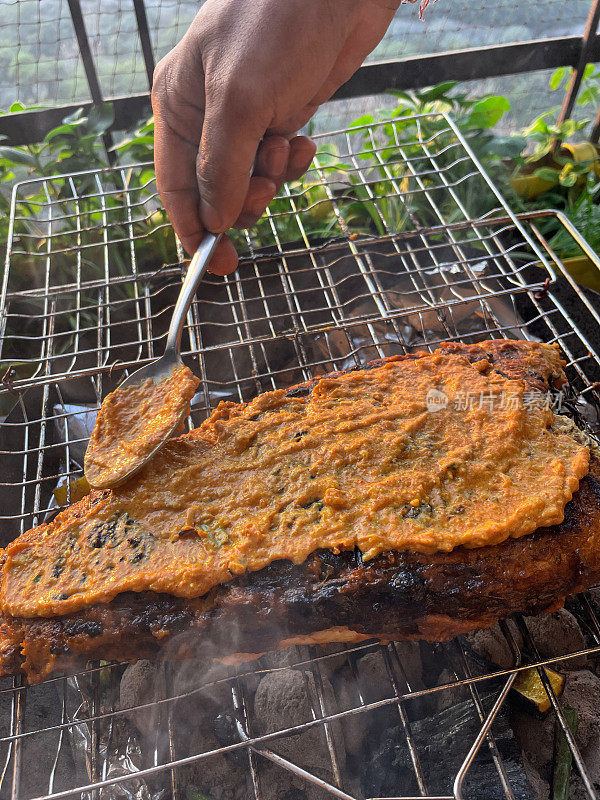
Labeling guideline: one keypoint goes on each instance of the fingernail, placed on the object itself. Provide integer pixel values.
(277, 161)
(211, 219)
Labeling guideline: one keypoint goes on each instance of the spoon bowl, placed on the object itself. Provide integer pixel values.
(126, 436)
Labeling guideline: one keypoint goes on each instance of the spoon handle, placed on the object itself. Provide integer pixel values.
(196, 271)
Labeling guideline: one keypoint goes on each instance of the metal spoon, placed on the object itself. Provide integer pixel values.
(163, 368)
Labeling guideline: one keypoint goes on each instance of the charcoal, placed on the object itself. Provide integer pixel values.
(286, 698)
(217, 777)
(142, 683)
(226, 732)
(536, 734)
(442, 741)
(556, 635)
(582, 693)
(491, 644)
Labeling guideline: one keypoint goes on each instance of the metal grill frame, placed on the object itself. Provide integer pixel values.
(355, 253)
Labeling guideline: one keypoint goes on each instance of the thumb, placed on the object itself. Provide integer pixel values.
(231, 135)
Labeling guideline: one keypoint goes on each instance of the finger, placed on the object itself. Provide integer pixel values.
(182, 209)
(175, 162)
(272, 158)
(224, 259)
(191, 231)
(302, 152)
(230, 138)
(260, 193)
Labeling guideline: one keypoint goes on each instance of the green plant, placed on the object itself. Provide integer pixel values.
(74, 146)
(584, 213)
(542, 154)
(411, 171)
(566, 167)
(82, 216)
(418, 152)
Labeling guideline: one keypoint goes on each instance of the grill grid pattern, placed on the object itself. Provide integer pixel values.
(373, 254)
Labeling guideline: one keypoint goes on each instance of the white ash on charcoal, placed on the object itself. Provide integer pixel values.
(582, 693)
(577, 790)
(556, 635)
(372, 677)
(331, 657)
(207, 691)
(446, 698)
(373, 673)
(276, 783)
(142, 683)
(277, 659)
(287, 698)
(354, 726)
(409, 655)
(364, 678)
(492, 646)
(389, 770)
(539, 786)
(368, 680)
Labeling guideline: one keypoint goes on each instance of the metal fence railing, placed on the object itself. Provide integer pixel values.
(64, 54)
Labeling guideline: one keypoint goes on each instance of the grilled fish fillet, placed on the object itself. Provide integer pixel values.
(332, 593)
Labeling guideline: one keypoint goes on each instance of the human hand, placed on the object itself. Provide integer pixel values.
(230, 97)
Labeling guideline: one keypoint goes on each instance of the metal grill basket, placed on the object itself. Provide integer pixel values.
(375, 253)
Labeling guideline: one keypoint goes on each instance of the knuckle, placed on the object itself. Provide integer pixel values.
(160, 81)
(207, 175)
(230, 92)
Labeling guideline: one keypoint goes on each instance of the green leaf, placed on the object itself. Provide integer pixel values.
(406, 97)
(568, 176)
(101, 118)
(139, 141)
(558, 77)
(539, 125)
(16, 107)
(568, 180)
(17, 155)
(589, 71)
(366, 119)
(589, 95)
(488, 112)
(436, 92)
(217, 536)
(506, 146)
(570, 127)
(65, 131)
(548, 174)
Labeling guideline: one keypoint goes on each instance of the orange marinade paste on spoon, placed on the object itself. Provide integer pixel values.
(133, 422)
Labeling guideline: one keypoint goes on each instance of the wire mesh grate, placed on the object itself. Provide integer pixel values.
(374, 253)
